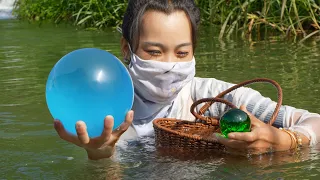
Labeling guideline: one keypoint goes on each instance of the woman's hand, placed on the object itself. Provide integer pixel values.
(263, 138)
(99, 147)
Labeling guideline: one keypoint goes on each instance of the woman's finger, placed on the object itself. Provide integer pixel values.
(243, 108)
(59, 128)
(243, 136)
(255, 122)
(124, 126)
(82, 133)
(242, 147)
(231, 143)
(107, 130)
(105, 135)
(63, 134)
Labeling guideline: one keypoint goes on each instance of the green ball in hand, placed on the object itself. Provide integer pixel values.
(235, 120)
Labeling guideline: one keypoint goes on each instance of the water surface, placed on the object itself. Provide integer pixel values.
(31, 149)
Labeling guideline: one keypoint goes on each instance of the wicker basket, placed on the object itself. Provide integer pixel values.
(199, 134)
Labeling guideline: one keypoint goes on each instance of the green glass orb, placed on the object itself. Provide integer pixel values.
(235, 120)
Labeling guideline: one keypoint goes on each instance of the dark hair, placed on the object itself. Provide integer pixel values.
(137, 8)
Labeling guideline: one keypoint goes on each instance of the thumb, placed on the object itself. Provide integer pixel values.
(243, 108)
(254, 121)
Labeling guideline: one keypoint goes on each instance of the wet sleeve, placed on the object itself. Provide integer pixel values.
(261, 107)
(299, 120)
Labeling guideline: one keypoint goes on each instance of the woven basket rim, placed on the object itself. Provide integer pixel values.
(165, 128)
(195, 137)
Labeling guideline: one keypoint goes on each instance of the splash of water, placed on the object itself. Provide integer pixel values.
(6, 7)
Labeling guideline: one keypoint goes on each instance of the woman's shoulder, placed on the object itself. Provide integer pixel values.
(209, 83)
(211, 87)
(207, 87)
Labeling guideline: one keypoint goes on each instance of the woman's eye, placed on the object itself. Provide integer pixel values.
(154, 53)
(182, 54)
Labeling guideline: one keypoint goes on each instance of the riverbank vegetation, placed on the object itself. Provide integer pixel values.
(289, 17)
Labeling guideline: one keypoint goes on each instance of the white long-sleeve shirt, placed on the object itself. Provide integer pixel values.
(262, 107)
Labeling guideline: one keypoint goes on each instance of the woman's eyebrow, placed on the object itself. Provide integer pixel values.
(183, 44)
(148, 43)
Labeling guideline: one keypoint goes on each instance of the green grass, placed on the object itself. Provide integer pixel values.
(289, 17)
(88, 14)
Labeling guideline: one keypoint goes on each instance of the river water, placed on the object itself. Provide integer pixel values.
(31, 149)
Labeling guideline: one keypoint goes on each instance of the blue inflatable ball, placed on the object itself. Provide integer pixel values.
(89, 84)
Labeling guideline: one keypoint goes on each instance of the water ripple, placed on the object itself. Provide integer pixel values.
(30, 147)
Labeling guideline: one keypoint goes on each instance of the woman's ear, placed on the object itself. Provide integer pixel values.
(125, 48)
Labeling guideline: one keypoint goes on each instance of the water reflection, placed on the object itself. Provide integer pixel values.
(152, 164)
(30, 148)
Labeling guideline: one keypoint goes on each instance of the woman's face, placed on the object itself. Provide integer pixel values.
(166, 38)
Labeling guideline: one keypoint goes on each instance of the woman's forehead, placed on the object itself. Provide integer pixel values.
(160, 26)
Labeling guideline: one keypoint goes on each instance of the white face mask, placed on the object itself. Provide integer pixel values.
(160, 82)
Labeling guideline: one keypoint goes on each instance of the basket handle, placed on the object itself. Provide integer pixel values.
(210, 101)
(210, 120)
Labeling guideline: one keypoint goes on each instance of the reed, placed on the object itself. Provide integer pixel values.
(289, 17)
(97, 14)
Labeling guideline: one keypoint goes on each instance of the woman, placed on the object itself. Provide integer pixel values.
(159, 40)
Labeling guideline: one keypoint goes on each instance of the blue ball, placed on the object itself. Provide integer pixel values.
(89, 84)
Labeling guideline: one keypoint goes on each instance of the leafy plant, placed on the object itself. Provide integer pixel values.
(290, 17)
